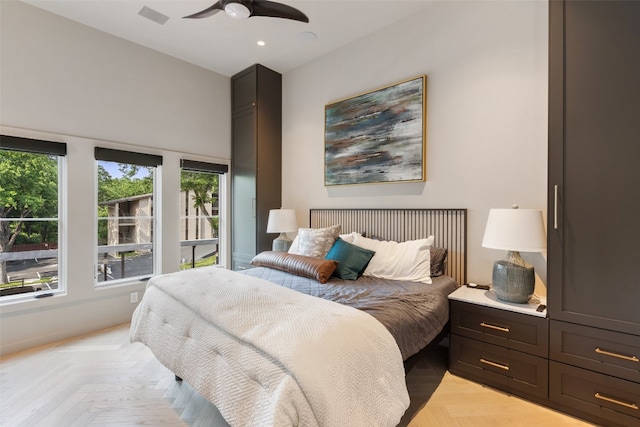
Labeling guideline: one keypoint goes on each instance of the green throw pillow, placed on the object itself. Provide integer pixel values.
(352, 259)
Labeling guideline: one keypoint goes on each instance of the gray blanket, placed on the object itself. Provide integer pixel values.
(414, 313)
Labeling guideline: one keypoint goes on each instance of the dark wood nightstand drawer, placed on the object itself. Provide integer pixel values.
(612, 399)
(500, 367)
(609, 352)
(516, 331)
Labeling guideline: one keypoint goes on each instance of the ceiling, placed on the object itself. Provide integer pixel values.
(226, 45)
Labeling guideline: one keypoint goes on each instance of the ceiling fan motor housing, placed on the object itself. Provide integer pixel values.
(238, 9)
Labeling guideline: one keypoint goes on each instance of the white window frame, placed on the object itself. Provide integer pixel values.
(61, 218)
(155, 231)
(221, 170)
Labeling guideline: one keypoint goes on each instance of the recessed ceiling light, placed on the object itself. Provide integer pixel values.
(261, 43)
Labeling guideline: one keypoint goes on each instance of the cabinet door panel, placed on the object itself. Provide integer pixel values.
(244, 90)
(594, 130)
(244, 186)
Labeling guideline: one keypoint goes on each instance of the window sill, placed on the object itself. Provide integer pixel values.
(122, 283)
(20, 300)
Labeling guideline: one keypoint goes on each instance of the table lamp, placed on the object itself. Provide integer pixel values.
(514, 230)
(282, 221)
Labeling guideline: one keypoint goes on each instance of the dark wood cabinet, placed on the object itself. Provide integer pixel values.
(256, 160)
(594, 200)
(500, 344)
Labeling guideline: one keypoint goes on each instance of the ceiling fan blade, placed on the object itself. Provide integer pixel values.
(277, 10)
(211, 10)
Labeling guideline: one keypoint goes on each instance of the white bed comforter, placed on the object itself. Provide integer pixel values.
(270, 356)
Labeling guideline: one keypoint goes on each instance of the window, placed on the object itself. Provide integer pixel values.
(125, 221)
(200, 196)
(30, 216)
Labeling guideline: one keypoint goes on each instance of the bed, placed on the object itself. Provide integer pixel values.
(412, 314)
(286, 343)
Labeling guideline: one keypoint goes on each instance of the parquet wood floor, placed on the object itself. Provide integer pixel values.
(102, 380)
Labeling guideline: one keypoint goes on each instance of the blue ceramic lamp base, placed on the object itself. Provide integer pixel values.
(282, 243)
(513, 281)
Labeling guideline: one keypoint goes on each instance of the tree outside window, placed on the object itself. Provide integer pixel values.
(28, 222)
(200, 218)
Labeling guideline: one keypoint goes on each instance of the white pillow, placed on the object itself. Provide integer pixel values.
(293, 249)
(349, 237)
(409, 260)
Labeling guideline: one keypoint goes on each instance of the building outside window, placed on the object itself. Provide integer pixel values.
(31, 236)
(200, 219)
(125, 222)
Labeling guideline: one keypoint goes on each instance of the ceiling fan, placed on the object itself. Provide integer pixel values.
(241, 9)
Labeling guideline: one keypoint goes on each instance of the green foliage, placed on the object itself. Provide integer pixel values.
(19, 283)
(29, 185)
(204, 187)
(204, 262)
(128, 185)
(28, 189)
(24, 239)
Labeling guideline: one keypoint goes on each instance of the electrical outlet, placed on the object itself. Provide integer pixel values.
(133, 297)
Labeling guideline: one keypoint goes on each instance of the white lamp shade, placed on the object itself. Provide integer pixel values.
(515, 230)
(282, 221)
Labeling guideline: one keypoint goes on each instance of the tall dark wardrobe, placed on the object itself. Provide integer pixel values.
(256, 162)
(594, 210)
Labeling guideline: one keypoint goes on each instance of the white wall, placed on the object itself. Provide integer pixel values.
(486, 65)
(65, 82)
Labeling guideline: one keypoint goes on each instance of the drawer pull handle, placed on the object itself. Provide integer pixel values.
(497, 365)
(616, 401)
(619, 356)
(497, 328)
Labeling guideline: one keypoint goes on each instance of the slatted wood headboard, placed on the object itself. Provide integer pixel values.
(448, 227)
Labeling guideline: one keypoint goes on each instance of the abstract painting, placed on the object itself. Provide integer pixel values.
(378, 136)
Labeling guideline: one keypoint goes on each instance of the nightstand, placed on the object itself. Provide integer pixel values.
(504, 345)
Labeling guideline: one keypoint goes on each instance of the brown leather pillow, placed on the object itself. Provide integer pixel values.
(314, 268)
